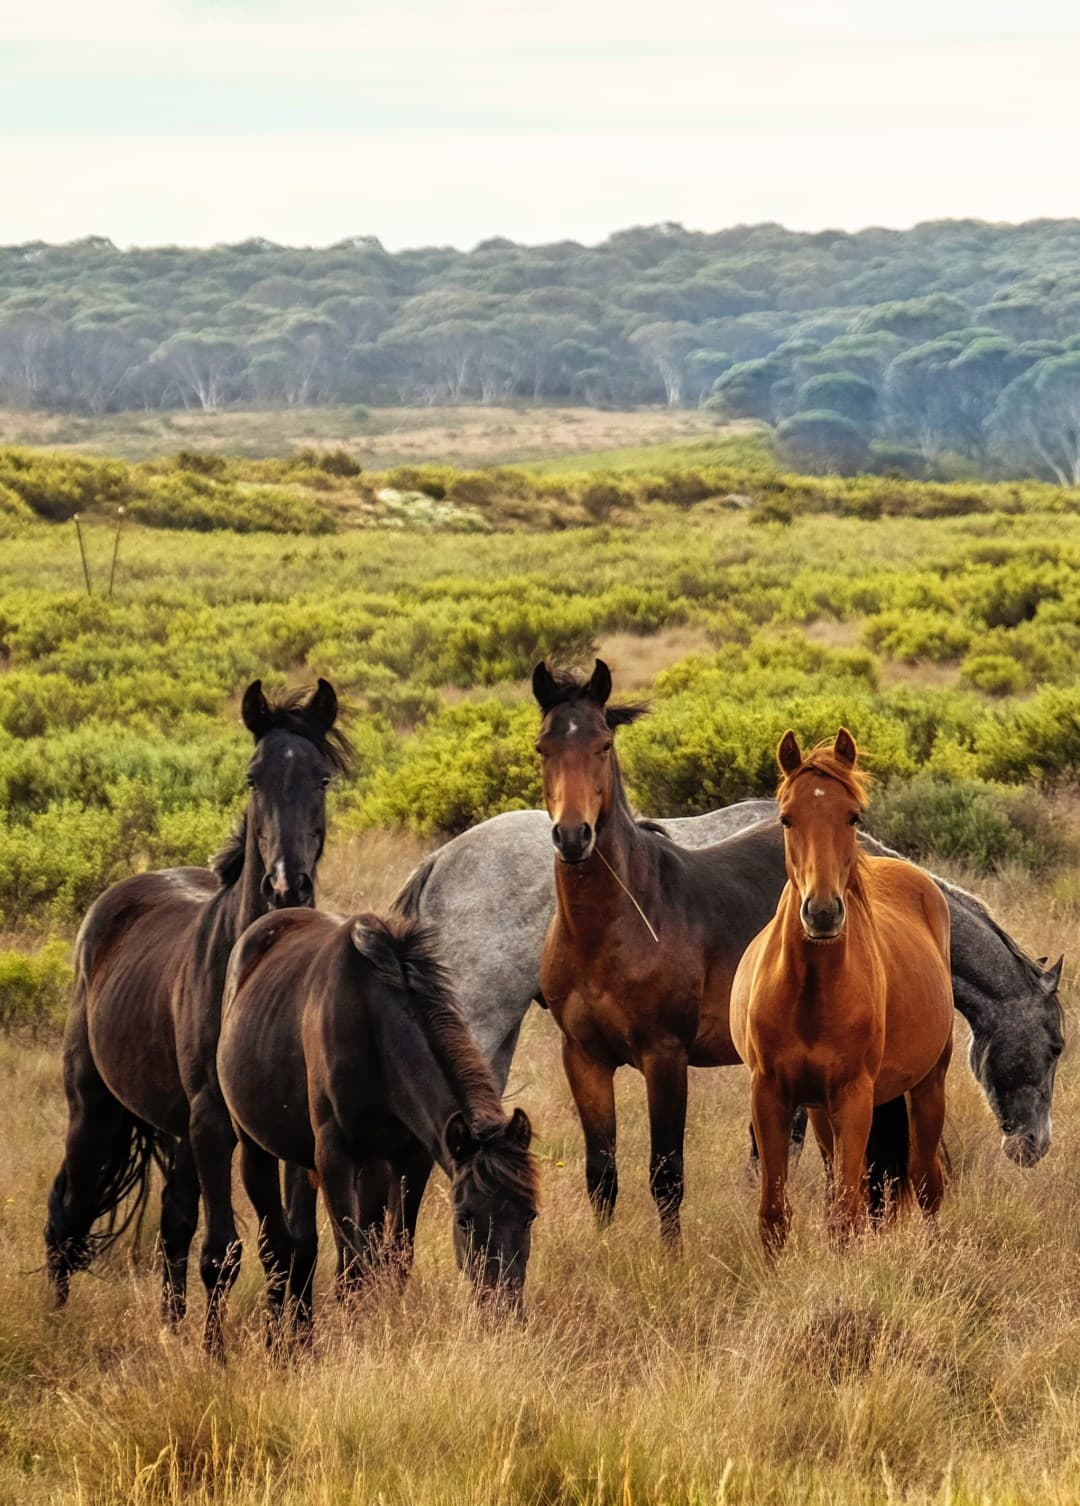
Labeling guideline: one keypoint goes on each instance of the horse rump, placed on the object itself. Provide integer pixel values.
(887, 1152)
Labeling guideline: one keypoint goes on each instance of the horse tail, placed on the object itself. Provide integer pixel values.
(406, 902)
(887, 1157)
(117, 1194)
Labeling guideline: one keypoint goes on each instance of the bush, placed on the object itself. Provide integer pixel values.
(996, 674)
(35, 986)
(968, 821)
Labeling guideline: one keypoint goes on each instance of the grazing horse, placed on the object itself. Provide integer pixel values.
(641, 951)
(141, 1041)
(342, 1050)
(844, 1003)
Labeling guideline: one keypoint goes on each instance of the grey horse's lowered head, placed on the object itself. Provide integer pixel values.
(1017, 1063)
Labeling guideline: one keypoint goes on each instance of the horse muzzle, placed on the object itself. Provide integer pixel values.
(573, 843)
(1028, 1148)
(823, 921)
(280, 893)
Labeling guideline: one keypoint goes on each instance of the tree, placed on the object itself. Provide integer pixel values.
(1036, 420)
(823, 441)
(840, 392)
(746, 390)
(202, 366)
(666, 346)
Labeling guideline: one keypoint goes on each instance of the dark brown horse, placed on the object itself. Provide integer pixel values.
(644, 943)
(844, 1002)
(141, 1042)
(342, 1051)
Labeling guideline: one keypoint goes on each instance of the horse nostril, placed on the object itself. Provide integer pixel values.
(586, 833)
(304, 888)
(556, 834)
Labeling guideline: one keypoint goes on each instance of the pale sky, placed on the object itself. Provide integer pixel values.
(447, 121)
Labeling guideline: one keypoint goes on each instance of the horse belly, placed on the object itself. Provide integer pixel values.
(133, 1044)
(263, 1078)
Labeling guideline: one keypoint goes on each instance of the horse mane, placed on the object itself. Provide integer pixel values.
(288, 711)
(571, 687)
(404, 955)
(228, 862)
(823, 760)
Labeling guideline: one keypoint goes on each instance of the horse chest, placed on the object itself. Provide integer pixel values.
(617, 1002)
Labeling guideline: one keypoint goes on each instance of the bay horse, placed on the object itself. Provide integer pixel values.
(844, 1003)
(642, 949)
(342, 1052)
(141, 1040)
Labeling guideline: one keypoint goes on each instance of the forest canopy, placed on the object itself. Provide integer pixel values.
(949, 346)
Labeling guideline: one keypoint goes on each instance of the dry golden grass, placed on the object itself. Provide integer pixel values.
(910, 1370)
(465, 436)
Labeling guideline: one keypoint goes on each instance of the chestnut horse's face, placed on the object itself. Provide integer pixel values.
(575, 747)
(820, 816)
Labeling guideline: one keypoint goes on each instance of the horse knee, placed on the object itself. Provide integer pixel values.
(219, 1267)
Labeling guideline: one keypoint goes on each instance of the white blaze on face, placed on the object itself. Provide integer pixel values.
(819, 792)
(279, 885)
(571, 727)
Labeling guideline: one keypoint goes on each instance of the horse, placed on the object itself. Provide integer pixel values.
(843, 1002)
(342, 1050)
(494, 888)
(643, 946)
(141, 1038)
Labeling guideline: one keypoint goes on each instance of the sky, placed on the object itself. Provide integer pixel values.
(445, 122)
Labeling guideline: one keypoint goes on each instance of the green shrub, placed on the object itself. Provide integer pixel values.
(996, 674)
(968, 821)
(35, 986)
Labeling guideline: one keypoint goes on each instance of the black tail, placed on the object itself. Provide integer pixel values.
(887, 1157)
(118, 1195)
(406, 902)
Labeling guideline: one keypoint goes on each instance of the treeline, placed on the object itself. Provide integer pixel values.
(953, 345)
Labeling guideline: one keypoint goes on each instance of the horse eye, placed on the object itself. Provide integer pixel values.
(250, 782)
(325, 781)
(855, 820)
(606, 748)
(784, 821)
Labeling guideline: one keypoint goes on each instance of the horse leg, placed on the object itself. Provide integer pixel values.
(592, 1084)
(798, 1139)
(665, 1088)
(179, 1220)
(357, 1221)
(927, 1117)
(213, 1141)
(302, 1201)
(409, 1178)
(823, 1134)
(262, 1182)
(851, 1114)
(771, 1114)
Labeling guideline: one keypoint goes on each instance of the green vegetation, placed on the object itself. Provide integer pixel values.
(115, 745)
(951, 347)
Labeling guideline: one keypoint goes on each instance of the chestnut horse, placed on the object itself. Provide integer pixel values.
(644, 942)
(341, 1051)
(139, 1052)
(844, 1003)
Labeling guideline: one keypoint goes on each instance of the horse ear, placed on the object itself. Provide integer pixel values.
(459, 1139)
(255, 709)
(1052, 977)
(544, 687)
(600, 684)
(519, 1130)
(322, 706)
(844, 748)
(788, 755)
(1042, 961)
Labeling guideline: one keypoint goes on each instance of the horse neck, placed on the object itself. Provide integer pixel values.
(422, 1091)
(242, 902)
(987, 973)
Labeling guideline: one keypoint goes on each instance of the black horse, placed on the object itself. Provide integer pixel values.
(342, 1052)
(139, 1052)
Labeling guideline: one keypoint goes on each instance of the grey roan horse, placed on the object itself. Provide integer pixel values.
(139, 1053)
(493, 890)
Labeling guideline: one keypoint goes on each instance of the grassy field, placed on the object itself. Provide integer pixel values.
(378, 437)
(911, 1370)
